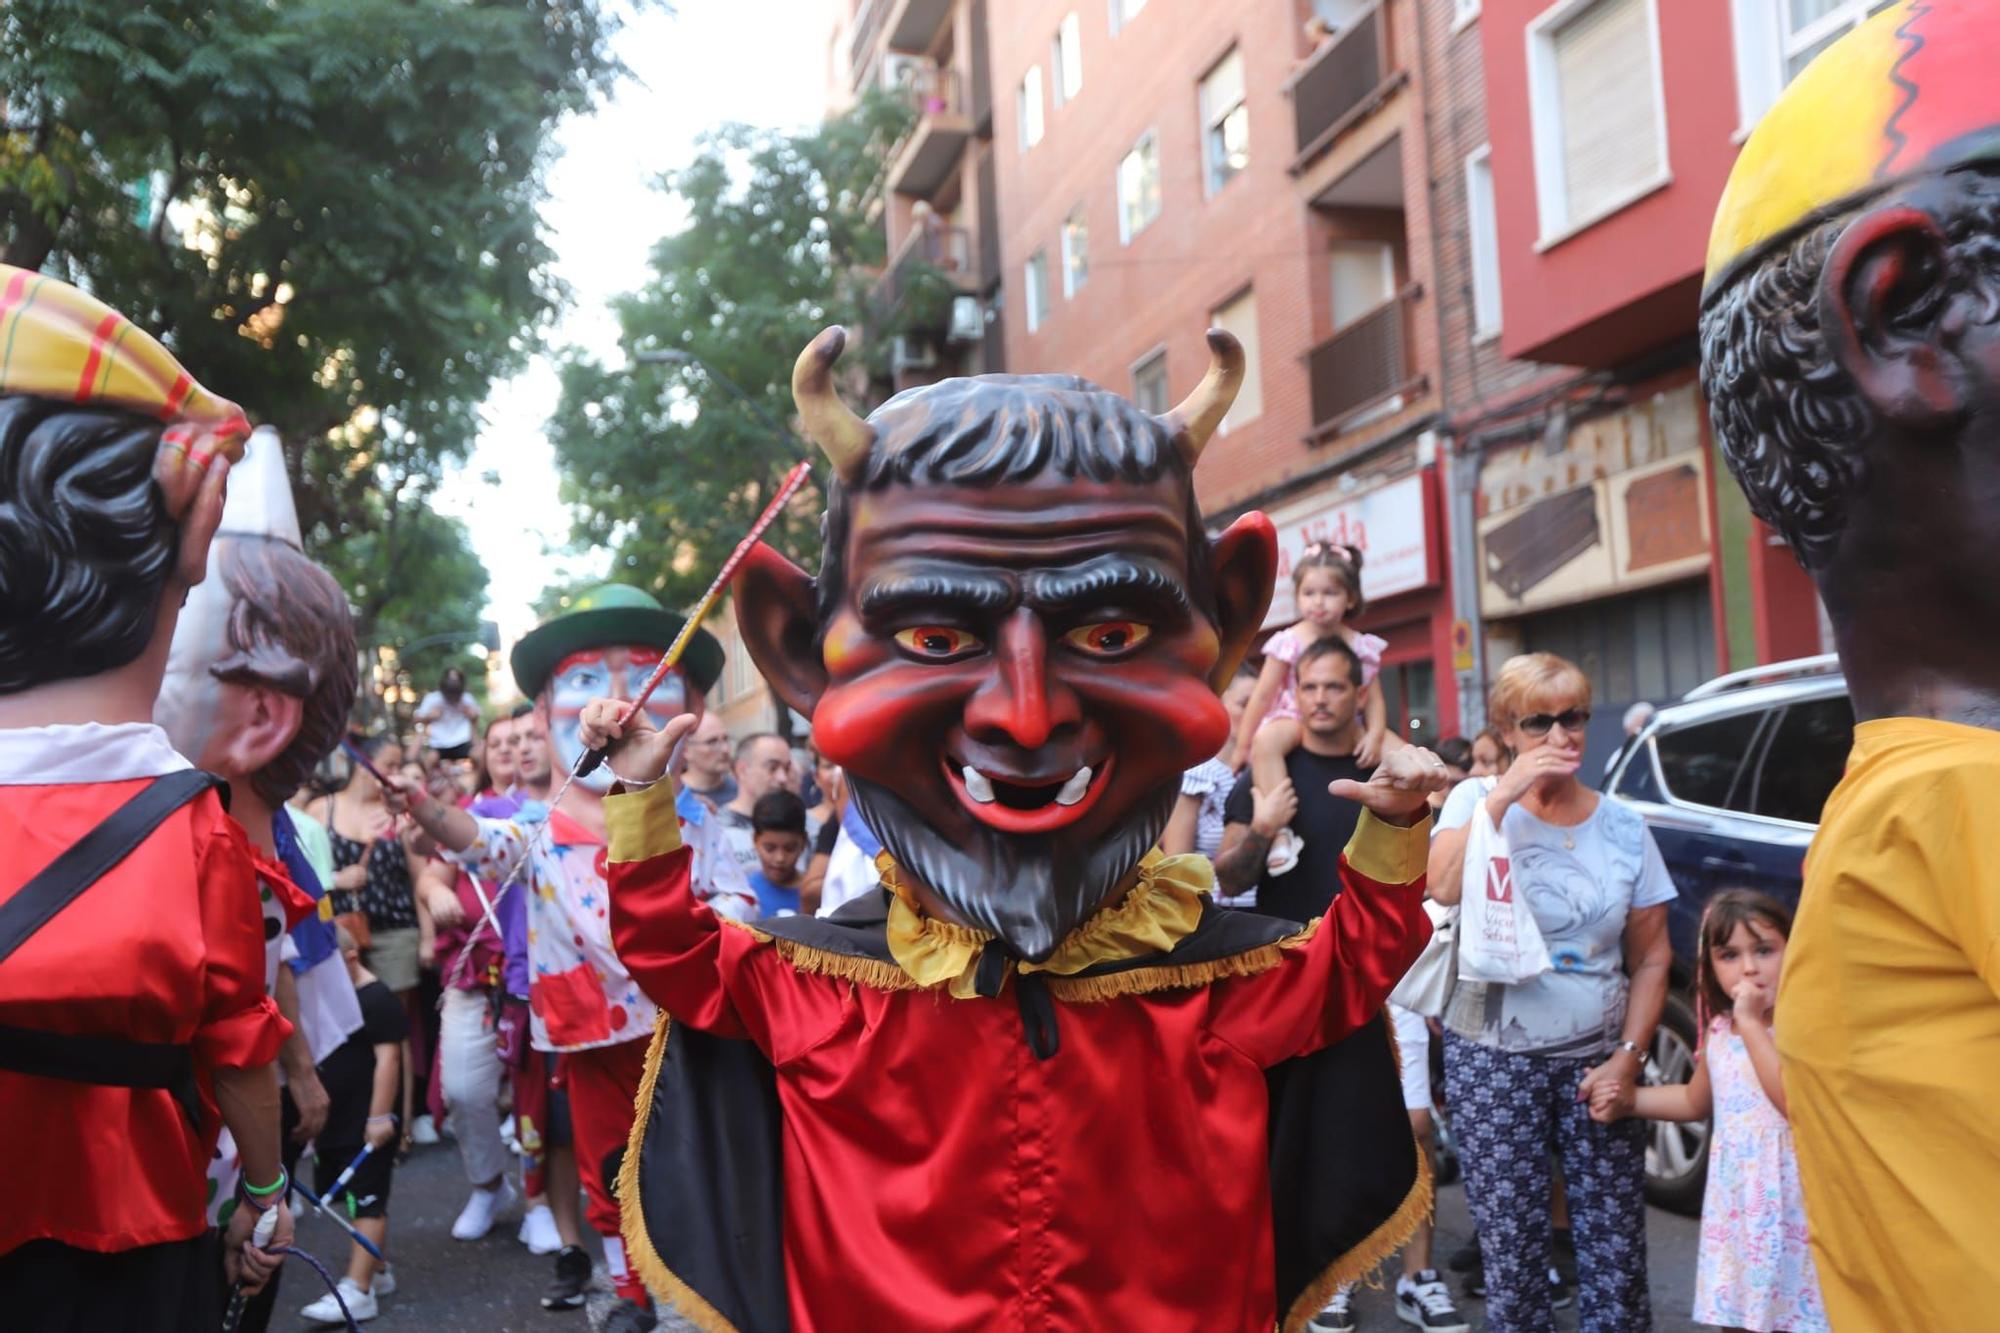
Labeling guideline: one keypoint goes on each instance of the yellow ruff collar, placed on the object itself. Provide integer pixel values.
(1161, 908)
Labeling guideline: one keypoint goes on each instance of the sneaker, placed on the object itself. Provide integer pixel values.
(572, 1276)
(628, 1317)
(1338, 1316)
(385, 1284)
(424, 1131)
(476, 1218)
(1559, 1292)
(538, 1231)
(1426, 1302)
(326, 1310)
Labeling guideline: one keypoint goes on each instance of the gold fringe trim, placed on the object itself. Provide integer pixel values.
(1184, 976)
(653, 1270)
(870, 972)
(1364, 1258)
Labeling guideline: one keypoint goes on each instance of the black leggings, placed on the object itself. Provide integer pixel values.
(176, 1287)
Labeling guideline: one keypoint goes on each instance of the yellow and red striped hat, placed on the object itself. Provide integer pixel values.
(1913, 91)
(56, 342)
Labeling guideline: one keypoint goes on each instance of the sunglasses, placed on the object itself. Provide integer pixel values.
(1539, 724)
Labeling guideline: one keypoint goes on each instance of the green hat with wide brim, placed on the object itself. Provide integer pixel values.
(612, 615)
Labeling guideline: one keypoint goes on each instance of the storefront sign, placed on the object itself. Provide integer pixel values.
(1387, 525)
(1623, 506)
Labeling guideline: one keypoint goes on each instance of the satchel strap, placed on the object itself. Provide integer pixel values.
(94, 855)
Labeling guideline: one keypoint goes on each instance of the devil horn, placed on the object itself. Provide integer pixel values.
(1203, 410)
(829, 422)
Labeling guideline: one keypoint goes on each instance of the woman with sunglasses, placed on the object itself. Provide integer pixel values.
(1520, 1061)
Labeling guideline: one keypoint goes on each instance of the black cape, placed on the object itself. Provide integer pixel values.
(703, 1182)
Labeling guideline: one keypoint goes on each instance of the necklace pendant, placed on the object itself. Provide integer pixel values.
(1569, 842)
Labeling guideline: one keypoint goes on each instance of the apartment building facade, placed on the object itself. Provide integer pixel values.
(1167, 165)
(1579, 148)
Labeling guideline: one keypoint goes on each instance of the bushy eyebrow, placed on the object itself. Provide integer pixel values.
(1107, 579)
(892, 593)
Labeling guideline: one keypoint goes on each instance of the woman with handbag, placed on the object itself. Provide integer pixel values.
(1568, 905)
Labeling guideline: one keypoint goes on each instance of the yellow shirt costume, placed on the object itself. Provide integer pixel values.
(1891, 1030)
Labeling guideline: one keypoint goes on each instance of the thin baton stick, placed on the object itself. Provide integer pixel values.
(345, 1225)
(340, 1181)
(793, 480)
(354, 753)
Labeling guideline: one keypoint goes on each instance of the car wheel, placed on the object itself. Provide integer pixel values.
(1676, 1155)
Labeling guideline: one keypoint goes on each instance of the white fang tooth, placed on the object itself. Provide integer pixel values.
(1073, 790)
(977, 786)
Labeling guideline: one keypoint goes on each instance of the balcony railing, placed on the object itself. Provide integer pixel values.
(1339, 80)
(867, 27)
(925, 158)
(1362, 364)
(928, 90)
(926, 252)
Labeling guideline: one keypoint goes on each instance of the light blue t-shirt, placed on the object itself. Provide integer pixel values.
(1581, 883)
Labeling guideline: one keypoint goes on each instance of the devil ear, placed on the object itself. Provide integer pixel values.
(776, 616)
(1883, 295)
(1245, 567)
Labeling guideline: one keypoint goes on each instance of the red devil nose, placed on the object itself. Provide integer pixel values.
(1020, 704)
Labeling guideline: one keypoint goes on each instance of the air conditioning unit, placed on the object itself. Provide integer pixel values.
(907, 353)
(902, 71)
(968, 320)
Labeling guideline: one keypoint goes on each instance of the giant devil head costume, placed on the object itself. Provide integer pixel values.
(1018, 630)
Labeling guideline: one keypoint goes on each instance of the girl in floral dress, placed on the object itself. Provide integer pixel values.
(1755, 1270)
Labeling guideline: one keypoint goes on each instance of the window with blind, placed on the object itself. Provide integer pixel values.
(1776, 39)
(1138, 189)
(1598, 109)
(1484, 227)
(1239, 316)
(1123, 12)
(1075, 252)
(1028, 107)
(1225, 122)
(1037, 290)
(1149, 383)
(1066, 60)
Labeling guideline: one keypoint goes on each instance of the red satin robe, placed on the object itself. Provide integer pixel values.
(939, 1176)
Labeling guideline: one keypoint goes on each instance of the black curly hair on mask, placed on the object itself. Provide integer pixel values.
(86, 544)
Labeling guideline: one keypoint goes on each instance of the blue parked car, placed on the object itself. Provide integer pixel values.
(1731, 779)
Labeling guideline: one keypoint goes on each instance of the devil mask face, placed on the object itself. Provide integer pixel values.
(1014, 654)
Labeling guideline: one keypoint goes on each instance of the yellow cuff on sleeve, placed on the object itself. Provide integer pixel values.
(641, 825)
(1388, 854)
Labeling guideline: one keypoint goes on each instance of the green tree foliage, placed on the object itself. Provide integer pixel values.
(665, 464)
(327, 208)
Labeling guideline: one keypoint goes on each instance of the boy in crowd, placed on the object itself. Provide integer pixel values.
(363, 1081)
(778, 832)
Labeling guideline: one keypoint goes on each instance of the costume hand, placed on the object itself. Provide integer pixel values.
(445, 907)
(1272, 810)
(244, 1262)
(1753, 1002)
(1542, 764)
(1400, 789)
(637, 751)
(309, 1096)
(200, 521)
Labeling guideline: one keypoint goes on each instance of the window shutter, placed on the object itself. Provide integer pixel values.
(1609, 104)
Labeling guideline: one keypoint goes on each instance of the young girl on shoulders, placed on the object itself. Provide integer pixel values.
(1754, 1271)
(1327, 592)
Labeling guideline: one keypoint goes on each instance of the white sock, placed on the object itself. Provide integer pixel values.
(614, 1255)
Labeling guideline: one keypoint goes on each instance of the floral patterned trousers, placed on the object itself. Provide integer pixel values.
(1509, 1112)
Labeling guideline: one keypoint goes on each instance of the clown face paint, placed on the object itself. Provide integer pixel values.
(605, 673)
(1016, 679)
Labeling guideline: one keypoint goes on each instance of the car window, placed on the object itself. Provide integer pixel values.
(1806, 756)
(1700, 763)
(1636, 782)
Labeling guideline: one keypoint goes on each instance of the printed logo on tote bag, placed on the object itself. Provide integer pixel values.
(1499, 880)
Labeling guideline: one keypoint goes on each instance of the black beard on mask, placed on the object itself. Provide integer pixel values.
(1030, 891)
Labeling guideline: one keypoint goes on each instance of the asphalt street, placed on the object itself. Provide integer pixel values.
(495, 1285)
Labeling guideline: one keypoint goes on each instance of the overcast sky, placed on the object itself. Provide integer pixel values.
(758, 61)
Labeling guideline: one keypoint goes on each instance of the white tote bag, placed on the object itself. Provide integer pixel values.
(1498, 940)
(1426, 988)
